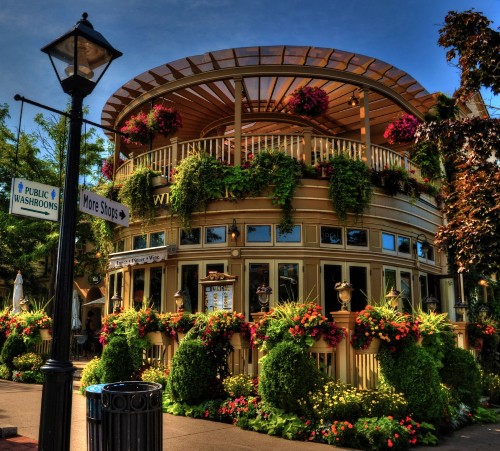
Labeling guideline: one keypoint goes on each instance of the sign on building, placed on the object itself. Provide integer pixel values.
(33, 199)
(218, 291)
(104, 208)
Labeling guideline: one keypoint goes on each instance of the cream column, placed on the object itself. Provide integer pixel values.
(238, 86)
(364, 116)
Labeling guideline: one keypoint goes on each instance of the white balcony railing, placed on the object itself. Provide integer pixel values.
(164, 159)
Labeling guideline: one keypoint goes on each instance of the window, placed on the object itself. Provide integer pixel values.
(155, 287)
(292, 237)
(388, 242)
(426, 255)
(402, 281)
(138, 287)
(258, 274)
(140, 242)
(157, 239)
(258, 234)
(189, 284)
(119, 246)
(357, 237)
(403, 245)
(288, 276)
(215, 235)
(331, 235)
(191, 238)
(218, 267)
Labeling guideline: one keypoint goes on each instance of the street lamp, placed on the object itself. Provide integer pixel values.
(344, 292)
(460, 310)
(117, 302)
(79, 57)
(393, 297)
(431, 302)
(425, 245)
(179, 300)
(264, 292)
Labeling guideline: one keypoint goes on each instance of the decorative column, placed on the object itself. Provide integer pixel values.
(364, 116)
(238, 86)
(345, 355)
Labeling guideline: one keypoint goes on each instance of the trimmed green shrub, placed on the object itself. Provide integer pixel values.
(158, 375)
(491, 386)
(28, 361)
(91, 374)
(413, 372)
(5, 372)
(193, 374)
(116, 361)
(461, 373)
(288, 377)
(240, 385)
(13, 347)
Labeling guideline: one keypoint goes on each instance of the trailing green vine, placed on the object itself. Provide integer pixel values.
(199, 179)
(350, 186)
(137, 193)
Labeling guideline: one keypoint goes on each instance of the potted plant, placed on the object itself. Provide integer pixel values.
(177, 324)
(382, 324)
(137, 192)
(302, 323)
(480, 330)
(137, 129)
(402, 129)
(108, 167)
(308, 101)
(164, 120)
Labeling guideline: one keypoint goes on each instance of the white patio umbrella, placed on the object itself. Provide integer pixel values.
(76, 324)
(18, 293)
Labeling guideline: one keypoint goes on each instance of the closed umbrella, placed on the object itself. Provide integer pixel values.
(18, 293)
(76, 324)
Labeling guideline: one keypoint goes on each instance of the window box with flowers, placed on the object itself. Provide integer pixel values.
(308, 101)
(177, 324)
(298, 322)
(383, 322)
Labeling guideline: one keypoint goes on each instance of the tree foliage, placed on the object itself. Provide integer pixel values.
(477, 47)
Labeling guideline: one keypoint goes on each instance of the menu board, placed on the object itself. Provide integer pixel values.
(218, 291)
(218, 297)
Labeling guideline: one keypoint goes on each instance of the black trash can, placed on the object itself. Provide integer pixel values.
(132, 416)
(93, 394)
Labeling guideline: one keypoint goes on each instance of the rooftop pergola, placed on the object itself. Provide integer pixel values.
(208, 88)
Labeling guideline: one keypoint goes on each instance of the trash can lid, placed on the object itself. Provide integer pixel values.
(95, 388)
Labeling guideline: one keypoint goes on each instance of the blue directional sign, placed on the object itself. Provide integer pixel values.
(34, 199)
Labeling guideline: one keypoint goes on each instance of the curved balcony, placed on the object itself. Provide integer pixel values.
(307, 147)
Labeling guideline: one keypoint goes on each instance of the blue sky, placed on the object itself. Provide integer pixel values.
(153, 32)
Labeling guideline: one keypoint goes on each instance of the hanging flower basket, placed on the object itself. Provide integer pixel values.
(308, 101)
(137, 129)
(401, 130)
(164, 120)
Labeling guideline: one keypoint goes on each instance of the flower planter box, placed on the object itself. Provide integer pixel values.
(158, 338)
(239, 342)
(45, 334)
(321, 346)
(372, 348)
(159, 180)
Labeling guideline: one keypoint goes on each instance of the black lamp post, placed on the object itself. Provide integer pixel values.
(80, 57)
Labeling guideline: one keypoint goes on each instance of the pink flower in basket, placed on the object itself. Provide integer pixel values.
(308, 101)
(164, 120)
(137, 129)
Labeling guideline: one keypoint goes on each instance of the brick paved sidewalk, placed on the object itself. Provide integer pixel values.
(17, 443)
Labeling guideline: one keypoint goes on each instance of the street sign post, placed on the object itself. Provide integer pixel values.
(104, 208)
(35, 200)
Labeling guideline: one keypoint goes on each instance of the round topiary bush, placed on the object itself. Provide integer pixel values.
(461, 373)
(193, 374)
(91, 374)
(413, 372)
(288, 376)
(116, 361)
(13, 347)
